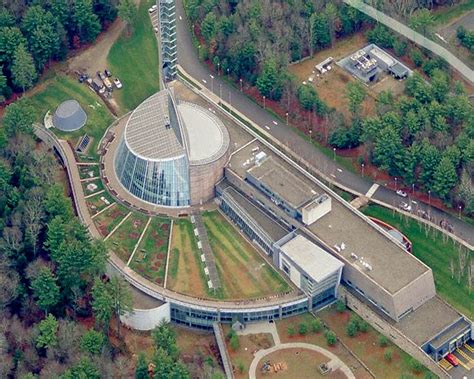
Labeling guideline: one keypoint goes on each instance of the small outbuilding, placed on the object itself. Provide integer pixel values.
(69, 116)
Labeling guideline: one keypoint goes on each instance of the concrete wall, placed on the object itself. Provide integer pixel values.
(203, 179)
(415, 294)
(147, 319)
(388, 330)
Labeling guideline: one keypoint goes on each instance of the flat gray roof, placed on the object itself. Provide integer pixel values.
(316, 262)
(283, 183)
(393, 267)
(427, 321)
(207, 137)
(146, 133)
(274, 230)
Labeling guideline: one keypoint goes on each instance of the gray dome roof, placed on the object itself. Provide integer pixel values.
(69, 116)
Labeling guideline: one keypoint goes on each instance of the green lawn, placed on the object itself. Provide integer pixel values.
(446, 14)
(96, 204)
(251, 275)
(150, 258)
(437, 254)
(85, 170)
(109, 219)
(62, 88)
(134, 60)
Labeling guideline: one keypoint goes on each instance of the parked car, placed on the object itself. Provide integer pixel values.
(401, 193)
(101, 75)
(117, 83)
(405, 206)
(107, 73)
(153, 8)
(155, 29)
(108, 84)
(452, 359)
(96, 85)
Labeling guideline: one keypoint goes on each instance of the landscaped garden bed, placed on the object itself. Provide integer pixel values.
(150, 258)
(109, 219)
(124, 239)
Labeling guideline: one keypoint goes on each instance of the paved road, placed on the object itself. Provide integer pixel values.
(418, 38)
(187, 58)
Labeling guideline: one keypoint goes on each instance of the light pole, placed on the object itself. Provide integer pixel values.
(362, 169)
(310, 135)
(218, 66)
(228, 70)
(334, 151)
(459, 207)
(220, 90)
(263, 102)
(212, 83)
(240, 84)
(287, 118)
(429, 204)
(396, 188)
(413, 189)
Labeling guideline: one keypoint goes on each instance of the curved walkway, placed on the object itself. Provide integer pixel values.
(335, 363)
(414, 36)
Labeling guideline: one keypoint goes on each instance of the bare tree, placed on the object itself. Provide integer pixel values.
(470, 270)
(9, 281)
(33, 215)
(462, 261)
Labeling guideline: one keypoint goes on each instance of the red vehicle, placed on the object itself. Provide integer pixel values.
(452, 359)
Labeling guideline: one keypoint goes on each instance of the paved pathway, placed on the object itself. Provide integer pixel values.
(335, 363)
(416, 37)
(261, 327)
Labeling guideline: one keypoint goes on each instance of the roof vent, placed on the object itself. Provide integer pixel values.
(167, 122)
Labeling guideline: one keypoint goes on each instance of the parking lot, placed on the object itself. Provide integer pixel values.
(465, 358)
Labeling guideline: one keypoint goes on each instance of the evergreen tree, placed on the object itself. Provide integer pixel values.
(92, 342)
(18, 118)
(356, 94)
(127, 11)
(102, 304)
(86, 22)
(23, 68)
(269, 82)
(41, 32)
(445, 178)
(209, 26)
(45, 289)
(320, 31)
(47, 329)
(10, 39)
(141, 371)
(121, 298)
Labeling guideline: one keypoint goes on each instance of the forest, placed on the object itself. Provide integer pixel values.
(35, 33)
(425, 138)
(59, 311)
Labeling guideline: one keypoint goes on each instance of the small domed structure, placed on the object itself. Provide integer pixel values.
(69, 116)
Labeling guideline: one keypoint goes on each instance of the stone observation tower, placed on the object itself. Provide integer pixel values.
(169, 51)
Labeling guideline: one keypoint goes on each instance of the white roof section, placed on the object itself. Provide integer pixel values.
(382, 56)
(316, 262)
(207, 138)
(146, 133)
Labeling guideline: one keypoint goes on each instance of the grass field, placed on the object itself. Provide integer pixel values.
(150, 258)
(134, 59)
(88, 171)
(52, 93)
(437, 254)
(124, 239)
(97, 182)
(110, 218)
(367, 349)
(186, 272)
(251, 275)
(445, 14)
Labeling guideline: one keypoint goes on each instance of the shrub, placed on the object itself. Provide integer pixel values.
(240, 366)
(381, 36)
(230, 334)
(417, 57)
(234, 342)
(383, 341)
(303, 328)
(387, 355)
(400, 48)
(363, 326)
(331, 338)
(92, 342)
(416, 366)
(340, 306)
(291, 330)
(316, 325)
(351, 328)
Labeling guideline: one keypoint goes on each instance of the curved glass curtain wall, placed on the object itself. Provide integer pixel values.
(158, 182)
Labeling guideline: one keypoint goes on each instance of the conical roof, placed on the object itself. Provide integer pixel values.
(69, 116)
